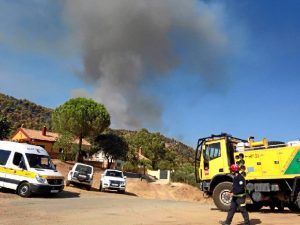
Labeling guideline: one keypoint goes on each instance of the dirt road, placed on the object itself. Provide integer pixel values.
(82, 207)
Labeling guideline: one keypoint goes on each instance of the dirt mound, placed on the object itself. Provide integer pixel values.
(172, 191)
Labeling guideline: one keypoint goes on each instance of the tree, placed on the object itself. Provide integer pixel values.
(82, 118)
(152, 144)
(113, 147)
(65, 142)
(4, 127)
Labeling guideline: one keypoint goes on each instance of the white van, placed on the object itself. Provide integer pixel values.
(28, 169)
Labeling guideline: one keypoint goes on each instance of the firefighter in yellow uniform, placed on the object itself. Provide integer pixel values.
(238, 194)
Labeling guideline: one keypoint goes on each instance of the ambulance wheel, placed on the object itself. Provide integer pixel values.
(24, 190)
(221, 195)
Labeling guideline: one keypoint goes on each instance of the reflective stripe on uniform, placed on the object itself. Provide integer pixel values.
(240, 195)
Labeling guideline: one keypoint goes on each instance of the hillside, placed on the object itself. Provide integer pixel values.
(33, 116)
(22, 111)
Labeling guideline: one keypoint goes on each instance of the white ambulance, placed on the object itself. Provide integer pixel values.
(28, 169)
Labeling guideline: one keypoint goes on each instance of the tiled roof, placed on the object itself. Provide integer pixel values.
(50, 136)
(37, 134)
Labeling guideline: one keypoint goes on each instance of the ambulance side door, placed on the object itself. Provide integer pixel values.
(4, 155)
(15, 174)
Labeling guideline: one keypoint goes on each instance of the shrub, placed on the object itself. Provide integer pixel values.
(130, 167)
(184, 174)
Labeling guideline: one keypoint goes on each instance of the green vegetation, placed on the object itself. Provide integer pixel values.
(82, 118)
(113, 147)
(66, 144)
(4, 127)
(184, 174)
(24, 112)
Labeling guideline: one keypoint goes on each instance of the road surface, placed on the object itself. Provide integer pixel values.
(88, 208)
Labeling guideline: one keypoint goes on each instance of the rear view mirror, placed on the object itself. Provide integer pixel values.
(125, 177)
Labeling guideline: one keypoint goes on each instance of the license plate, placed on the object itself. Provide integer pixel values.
(54, 191)
(114, 184)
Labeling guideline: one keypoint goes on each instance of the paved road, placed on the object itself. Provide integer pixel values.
(115, 209)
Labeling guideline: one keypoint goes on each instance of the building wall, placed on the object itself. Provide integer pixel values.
(19, 136)
(158, 173)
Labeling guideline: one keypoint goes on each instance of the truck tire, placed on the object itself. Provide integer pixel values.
(221, 195)
(295, 206)
(298, 201)
(24, 190)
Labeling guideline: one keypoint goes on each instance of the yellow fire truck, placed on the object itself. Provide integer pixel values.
(271, 170)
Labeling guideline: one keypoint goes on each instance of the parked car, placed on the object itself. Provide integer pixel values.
(81, 174)
(113, 180)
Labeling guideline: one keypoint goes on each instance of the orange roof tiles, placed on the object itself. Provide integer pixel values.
(50, 136)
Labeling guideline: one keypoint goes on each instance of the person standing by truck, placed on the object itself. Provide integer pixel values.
(238, 194)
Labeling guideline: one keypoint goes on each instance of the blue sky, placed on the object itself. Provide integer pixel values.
(256, 93)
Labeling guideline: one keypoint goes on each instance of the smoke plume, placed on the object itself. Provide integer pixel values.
(124, 43)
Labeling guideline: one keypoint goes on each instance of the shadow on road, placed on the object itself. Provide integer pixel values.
(252, 222)
(7, 191)
(64, 194)
(82, 187)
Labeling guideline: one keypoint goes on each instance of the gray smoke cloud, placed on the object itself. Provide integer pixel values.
(126, 42)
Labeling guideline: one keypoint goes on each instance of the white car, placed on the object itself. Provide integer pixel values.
(113, 180)
(81, 174)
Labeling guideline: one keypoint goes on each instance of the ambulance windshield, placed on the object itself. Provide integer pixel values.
(40, 161)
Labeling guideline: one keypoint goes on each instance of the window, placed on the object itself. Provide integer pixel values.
(4, 154)
(17, 158)
(83, 169)
(114, 174)
(40, 161)
(214, 150)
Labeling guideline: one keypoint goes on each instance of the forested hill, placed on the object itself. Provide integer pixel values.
(22, 111)
(33, 116)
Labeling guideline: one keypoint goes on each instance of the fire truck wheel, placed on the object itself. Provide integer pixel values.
(295, 206)
(221, 195)
(298, 201)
